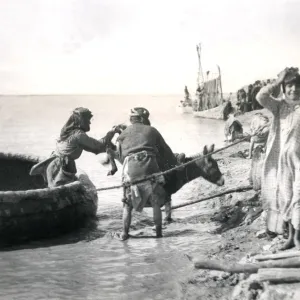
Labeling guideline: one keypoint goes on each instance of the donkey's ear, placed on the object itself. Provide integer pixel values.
(211, 148)
(205, 151)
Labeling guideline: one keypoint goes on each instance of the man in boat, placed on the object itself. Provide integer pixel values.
(60, 168)
(187, 100)
(186, 93)
(200, 94)
(143, 152)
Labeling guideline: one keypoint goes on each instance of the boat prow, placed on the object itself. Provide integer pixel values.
(30, 210)
(184, 109)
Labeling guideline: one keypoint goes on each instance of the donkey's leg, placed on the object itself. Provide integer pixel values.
(157, 217)
(168, 211)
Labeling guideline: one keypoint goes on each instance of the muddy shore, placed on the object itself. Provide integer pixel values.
(239, 219)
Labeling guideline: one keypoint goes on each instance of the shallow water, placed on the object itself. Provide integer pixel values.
(91, 264)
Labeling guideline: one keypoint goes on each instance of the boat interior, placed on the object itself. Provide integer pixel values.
(14, 175)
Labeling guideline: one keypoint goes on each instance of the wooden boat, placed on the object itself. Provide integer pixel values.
(30, 210)
(209, 94)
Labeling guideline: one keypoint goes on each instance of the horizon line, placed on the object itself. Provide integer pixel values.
(94, 94)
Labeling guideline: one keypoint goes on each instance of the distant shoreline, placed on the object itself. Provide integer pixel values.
(110, 95)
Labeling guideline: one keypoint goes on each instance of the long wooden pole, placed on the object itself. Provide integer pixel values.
(200, 72)
(262, 257)
(206, 264)
(229, 191)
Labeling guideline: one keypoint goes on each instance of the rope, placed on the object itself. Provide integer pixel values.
(153, 176)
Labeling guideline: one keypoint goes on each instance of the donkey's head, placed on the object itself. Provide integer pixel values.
(209, 167)
(205, 166)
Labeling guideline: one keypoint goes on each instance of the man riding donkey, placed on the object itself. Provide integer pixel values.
(280, 184)
(143, 152)
(60, 167)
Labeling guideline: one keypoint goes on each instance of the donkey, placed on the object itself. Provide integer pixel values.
(202, 166)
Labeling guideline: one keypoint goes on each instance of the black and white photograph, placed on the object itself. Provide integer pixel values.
(149, 150)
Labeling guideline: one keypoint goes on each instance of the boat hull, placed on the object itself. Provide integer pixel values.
(43, 212)
(184, 109)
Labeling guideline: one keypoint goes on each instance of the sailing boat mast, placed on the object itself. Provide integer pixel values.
(200, 72)
(220, 81)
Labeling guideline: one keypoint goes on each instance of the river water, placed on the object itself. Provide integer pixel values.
(90, 263)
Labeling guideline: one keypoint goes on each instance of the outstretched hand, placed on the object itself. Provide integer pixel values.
(119, 128)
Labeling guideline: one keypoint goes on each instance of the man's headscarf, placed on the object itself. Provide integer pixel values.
(80, 116)
(141, 113)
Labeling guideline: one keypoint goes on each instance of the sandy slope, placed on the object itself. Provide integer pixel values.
(239, 218)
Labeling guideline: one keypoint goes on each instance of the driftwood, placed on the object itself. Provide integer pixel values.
(276, 275)
(236, 190)
(220, 266)
(293, 262)
(277, 255)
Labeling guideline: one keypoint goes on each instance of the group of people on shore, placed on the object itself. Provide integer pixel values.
(246, 97)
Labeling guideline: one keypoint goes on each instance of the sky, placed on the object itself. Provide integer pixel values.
(142, 46)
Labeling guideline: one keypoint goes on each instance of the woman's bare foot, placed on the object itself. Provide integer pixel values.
(291, 234)
(287, 245)
(297, 239)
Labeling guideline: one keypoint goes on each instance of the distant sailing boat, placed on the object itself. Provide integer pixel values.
(209, 92)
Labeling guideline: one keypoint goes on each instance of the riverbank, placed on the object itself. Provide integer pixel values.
(239, 220)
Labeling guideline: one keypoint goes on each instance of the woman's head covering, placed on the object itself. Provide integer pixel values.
(140, 113)
(80, 119)
(292, 77)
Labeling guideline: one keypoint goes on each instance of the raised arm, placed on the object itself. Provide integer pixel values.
(265, 98)
(266, 94)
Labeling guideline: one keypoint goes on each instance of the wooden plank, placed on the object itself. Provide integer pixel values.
(279, 255)
(279, 275)
(293, 262)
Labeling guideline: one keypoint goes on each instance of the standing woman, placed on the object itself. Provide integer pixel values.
(281, 170)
